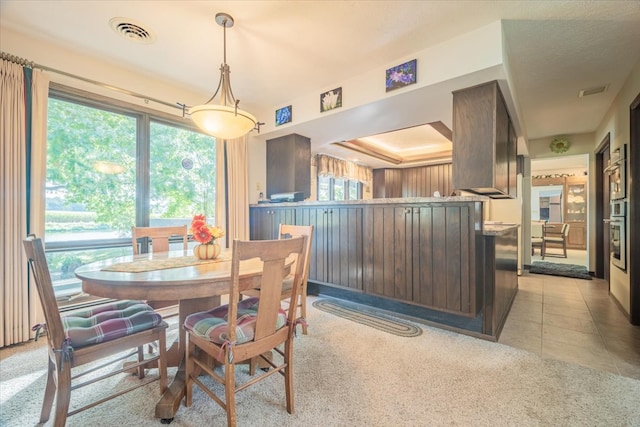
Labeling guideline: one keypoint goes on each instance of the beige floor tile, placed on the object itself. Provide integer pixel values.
(580, 325)
(596, 358)
(531, 343)
(563, 310)
(569, 336)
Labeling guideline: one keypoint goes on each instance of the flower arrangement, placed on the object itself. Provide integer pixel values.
(202, 232)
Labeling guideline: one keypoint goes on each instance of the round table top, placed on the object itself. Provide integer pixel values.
(203, 279)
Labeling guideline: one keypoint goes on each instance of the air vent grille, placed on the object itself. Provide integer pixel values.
(131, 30)
(592, 91)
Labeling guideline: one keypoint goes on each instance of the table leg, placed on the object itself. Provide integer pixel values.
(169, 403)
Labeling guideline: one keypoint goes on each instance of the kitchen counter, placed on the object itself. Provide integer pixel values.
(497, 228)
(378, 201)
(434, 258)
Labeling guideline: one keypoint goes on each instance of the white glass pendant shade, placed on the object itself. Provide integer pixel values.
(222, 121)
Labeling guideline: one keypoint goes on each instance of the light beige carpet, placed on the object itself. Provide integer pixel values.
(349, 374)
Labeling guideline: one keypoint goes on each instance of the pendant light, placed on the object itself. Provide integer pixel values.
(223, 120)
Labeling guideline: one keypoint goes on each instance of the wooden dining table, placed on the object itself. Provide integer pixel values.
(164, 276)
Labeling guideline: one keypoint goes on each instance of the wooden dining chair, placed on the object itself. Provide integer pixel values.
(94, 334)
(157, 240)
(556, 238)
(537, 235)
(287, 231)
(242, 330)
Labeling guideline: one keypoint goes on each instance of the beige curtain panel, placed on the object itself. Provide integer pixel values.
(338, 168)
(234, 214)
(19, 308)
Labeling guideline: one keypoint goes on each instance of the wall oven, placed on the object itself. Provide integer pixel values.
(617, 176)
(617, 233)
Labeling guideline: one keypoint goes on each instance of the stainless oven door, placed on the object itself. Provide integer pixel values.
(618, 243)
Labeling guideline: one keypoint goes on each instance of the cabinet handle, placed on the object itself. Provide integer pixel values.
(407, 211)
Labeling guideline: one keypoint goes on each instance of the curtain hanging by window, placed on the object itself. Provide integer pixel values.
(337, 168)
(21, 124)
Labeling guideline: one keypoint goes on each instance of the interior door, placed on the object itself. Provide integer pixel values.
(602, 211)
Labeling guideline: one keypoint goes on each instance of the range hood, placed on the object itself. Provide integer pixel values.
(484, 143)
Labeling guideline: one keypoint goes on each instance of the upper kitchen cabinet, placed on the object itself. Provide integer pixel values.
(289, 165)
(484, 142)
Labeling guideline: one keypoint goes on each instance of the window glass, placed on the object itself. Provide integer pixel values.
(354, 190)
(182, 175)
(91, 173)
(324, 188)
(98, 182)
(338, 189)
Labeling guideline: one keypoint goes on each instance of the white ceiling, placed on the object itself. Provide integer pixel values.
(281, 50)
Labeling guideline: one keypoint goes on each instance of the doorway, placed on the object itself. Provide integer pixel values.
(559, 195)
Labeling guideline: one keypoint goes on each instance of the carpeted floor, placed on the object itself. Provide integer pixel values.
(556, 269)
(349, 374)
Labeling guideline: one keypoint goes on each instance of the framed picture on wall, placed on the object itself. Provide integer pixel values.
(401, 75)
(331, 99)
(284, 115)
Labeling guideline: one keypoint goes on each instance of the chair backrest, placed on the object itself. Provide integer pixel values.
(159, 237)
(286, 231)
(273, 254)
(37, 261)
(565, 229)
(537, 228)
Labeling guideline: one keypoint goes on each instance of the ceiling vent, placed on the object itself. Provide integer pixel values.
(131, 30)
(592, 91)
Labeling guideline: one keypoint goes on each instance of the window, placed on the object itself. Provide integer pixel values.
(330, 188)
(109, 168)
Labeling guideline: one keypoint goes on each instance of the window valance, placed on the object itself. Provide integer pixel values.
(338, 168)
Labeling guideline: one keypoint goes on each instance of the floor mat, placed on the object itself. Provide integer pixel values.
(555, 269)
(367, 316)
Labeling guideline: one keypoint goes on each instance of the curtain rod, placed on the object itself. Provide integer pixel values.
(30, 64)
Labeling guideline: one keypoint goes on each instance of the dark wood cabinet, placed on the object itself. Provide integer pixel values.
(484, 142)
(420, 181)
(336, 254)
(264, 222)
(424, 255)
(435, 260)
(289, 165)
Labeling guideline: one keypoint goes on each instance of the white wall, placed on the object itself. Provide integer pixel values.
(616, 122)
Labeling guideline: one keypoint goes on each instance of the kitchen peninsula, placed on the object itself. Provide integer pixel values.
(433, 258)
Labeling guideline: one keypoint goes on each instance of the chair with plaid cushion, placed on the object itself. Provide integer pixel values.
(250, 328)
(287, 231)
(91, 335)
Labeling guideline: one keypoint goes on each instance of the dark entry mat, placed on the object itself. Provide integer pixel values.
(555, 269)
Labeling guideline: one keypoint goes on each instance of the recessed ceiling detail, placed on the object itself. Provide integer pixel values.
(131, 30)
(419, 145)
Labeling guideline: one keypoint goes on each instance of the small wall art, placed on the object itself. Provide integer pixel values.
(331, 99)
(401, 75)
(284, 115)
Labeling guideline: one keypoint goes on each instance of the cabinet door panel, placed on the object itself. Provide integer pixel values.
(439, 245)
(344, 244)
(317, 258)
(422, 262)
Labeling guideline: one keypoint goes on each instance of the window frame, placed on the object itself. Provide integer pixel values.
(346, 184)
(144, 117)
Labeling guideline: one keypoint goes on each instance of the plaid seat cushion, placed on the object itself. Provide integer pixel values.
(108, 322)
(212, 325)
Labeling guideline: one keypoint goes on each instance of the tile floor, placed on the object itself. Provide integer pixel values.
(573, 320)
